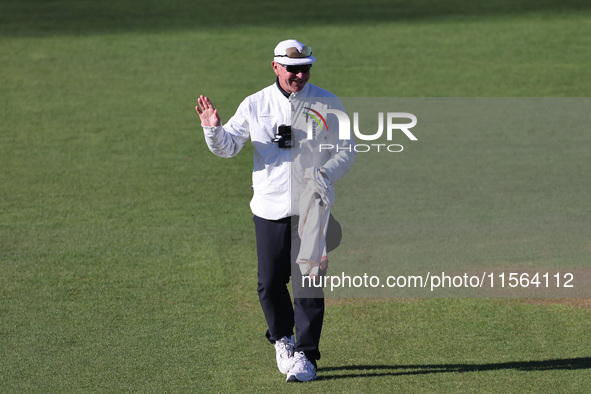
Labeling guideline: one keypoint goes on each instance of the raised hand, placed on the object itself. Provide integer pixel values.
(207, 112)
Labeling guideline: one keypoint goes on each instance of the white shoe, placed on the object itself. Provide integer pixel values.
(303, 370)
(284, 354)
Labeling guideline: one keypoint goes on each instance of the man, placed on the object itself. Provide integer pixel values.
(266, 118)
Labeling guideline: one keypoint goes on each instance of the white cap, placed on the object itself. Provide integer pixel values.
(293, 53)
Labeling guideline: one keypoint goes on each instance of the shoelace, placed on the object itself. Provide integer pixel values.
(287, 346)
(299, 360)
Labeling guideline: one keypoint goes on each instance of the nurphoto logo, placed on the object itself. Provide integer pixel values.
(393, 125)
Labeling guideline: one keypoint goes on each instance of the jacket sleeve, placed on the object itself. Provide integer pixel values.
(340, 162)
(227, 140)
(342, 157)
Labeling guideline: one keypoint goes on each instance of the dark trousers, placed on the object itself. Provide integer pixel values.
(277, 249)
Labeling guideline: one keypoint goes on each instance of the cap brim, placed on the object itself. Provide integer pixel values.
(294, 61)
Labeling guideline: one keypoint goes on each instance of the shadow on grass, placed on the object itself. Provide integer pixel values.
(76, 17)
(358, 371)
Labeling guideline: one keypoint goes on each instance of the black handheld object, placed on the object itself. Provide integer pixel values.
(283, 136)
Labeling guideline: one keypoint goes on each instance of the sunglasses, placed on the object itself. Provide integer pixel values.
(293, 52)
(304, 68)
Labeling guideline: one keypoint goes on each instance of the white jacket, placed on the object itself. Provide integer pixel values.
(257, 118)
(315, 203)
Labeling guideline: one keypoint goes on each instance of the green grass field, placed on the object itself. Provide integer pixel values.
(127, 260)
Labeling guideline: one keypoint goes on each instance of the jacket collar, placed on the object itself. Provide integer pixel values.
(288, 95)
(283, 92)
